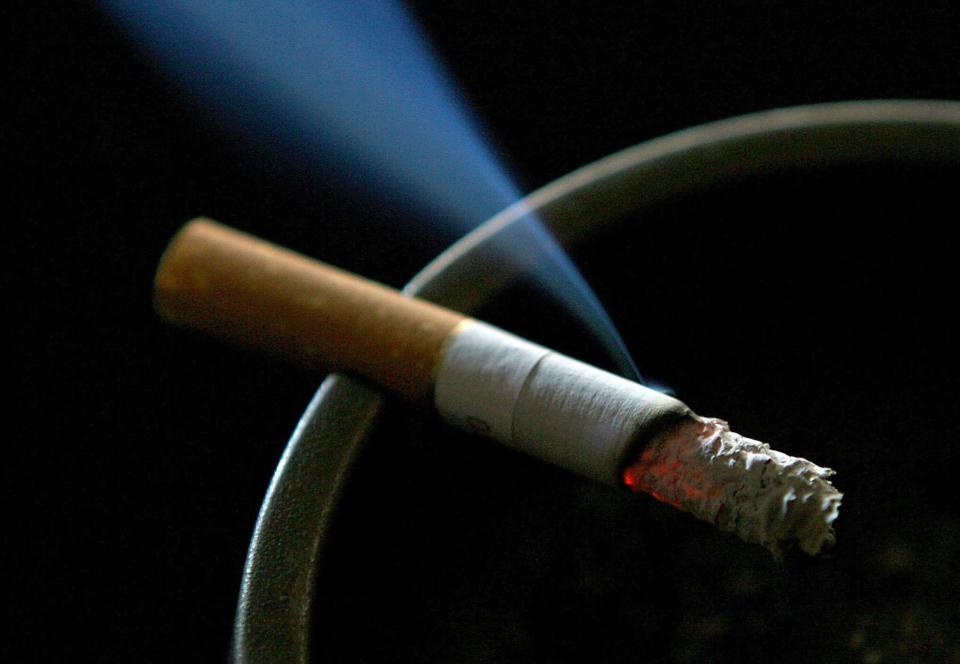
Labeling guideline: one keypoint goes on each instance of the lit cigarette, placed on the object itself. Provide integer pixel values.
(489, 382)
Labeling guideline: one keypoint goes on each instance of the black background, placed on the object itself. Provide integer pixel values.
(138, 456)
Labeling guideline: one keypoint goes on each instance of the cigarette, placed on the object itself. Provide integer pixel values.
(492, 383)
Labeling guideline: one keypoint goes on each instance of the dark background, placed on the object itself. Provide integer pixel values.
(138, 456)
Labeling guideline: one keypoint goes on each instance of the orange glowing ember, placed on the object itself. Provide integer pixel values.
(669, 480)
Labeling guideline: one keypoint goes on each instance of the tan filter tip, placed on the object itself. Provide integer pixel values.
(257, 294)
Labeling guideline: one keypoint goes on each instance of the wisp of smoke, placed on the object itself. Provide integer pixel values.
(353, 87)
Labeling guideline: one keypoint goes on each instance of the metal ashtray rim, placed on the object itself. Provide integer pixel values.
(272, 623)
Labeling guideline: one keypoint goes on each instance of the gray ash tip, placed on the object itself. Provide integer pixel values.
(741, 485)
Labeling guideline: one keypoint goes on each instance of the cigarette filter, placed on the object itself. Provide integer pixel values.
(487, 381)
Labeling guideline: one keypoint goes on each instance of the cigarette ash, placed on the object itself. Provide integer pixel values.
(740, 485)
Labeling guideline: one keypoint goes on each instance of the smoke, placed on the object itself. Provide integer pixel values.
(353, 87)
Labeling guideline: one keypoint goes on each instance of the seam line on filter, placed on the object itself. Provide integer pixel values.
(523, 388)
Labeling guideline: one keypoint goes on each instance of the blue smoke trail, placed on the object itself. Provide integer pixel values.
(353, 85)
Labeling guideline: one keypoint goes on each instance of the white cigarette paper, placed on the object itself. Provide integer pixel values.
(546, 404)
